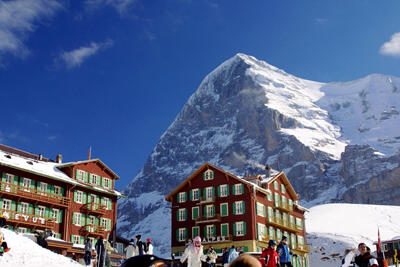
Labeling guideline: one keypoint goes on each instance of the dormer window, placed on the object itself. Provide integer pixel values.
(208, 175)
(80, 175)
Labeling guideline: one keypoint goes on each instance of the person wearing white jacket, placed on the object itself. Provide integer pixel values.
(348, 260)
(194, 253)
(130, 250)
(149, 247)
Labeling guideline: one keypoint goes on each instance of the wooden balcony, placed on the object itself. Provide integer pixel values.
(204, 199)
(25, 193)
(92, 230)
(285, 225)
(284, 207)
(303, 248)
(208, 219)
(94, 208)
(15, 219)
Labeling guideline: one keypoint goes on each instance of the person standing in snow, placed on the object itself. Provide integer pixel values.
(100, 252)
(233, 254)
(211, 257)
(3, 245)
(139, 245)
(225, 257)
(365, 259)
(130, 250)
(88, 251)
(3, 220)
(284, 253)
(348, 258)
(108, 249)
(148, 247)
(269, 257)
(194, 253)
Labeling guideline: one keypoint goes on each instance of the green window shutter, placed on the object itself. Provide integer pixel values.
(204, 211)
(242, 189)
(224, 210)
(264, 210)
(12, 205)
(195, 213)
(234, 229)
(36, 210)
(110, 204)
(73, 218)
(109, 224)
(87, 220)
(38, 186)
(185, 196)
(90, 178)
(97, 199)
(1, 202)
(234, 208)
(190, 195)
(76, 174)
(195, 232)
(177, 197)
(19, 206)
(205, 231)
(62, 191)
(84, 198)
(204, 175)
(244, 228)
(214, 230)
(213, 191)
(110, 184)
(233, 190)
(212, 175)
(3, 177)
(30, 208)
(224, 230)
(83, 218)
(185, 214)
(32, 184)
(85, 175)
(102, 181)
(204, 192)
(72, 238)
(50, 188)
(21, 181)
(74, 195)
(60, 216)
(213, 210)
(82, 240)
(15, 180)
(218, 191)
(177, 215)
(227, 190)
(244, 206)
(46, 212)
(96, 221)
(177, 234)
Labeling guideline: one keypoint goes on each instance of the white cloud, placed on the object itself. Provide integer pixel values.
(122, 6)
(18, 18)
(391, 48)
(75, 57)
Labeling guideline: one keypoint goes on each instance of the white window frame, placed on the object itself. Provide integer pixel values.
(106, 200)
(80, 176)
(57, 190)
(239, 228)
(209, 229)
(107, 182)
(95, 178)
(181, 234)
(209, 193)
(43, 188)
(299, 223)
(207, 175)
(9, 178)
(283, 189)
(22, 230)
(198, 213)
(209, 211)
(103, 222)
(238, 189)
(92, 220)
(181, 197)
(223, 190)
(195, 194)
(76, 239)
(41, 211)
(227, 224)
(261, 231)
(227, 209)
(91, 198)
(239, 207)
(260, 209)
(6, 204)
(24, 207)
(55, 213)
(26, 182)
(79, 196)
(181, 215)
(78, 218)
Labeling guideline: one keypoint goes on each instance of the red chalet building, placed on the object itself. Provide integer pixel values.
(246, 212)
(76, 199)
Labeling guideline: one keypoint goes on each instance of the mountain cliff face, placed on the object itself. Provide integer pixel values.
(335, 142)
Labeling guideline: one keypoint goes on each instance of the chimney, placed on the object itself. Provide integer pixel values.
(59, 158)
(40, 157)
(268, 170)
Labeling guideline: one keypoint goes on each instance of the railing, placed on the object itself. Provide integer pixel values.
(28, 219)
(284, 224)
(93, 230)
(206, 219)
(284, 206)
(95, 208)
(304, 248)
(204, 199)
(33, 194)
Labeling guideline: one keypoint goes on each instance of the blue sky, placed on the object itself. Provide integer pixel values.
(113, 74)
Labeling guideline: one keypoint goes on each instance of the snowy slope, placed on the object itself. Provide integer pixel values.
(25, 252)
(331, 228)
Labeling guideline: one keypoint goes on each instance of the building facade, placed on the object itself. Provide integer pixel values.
(226, 210)
(76, 200)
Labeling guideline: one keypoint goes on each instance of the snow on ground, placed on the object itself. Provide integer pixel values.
(25, 252)
(331, 228)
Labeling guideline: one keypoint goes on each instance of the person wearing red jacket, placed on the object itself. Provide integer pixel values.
(269, 257)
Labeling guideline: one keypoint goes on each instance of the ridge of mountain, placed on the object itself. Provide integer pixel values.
(334, 141)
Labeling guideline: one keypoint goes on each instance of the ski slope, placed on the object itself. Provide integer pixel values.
(25, 252)
(331, 228)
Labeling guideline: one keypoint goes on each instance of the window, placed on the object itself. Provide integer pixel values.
(270, 214)
(54, 214)
(284, 202)
(107, 203)
(284, 219)
(283, 189)
(26, 182)
(271, 232)
(91, 223)
(300, 240)
(22, 230)
(278, 234)
(299, 223)
(210, 211)
(290, 204)
(95, 179)
(92, 198)
(57, 190)
(43, 187)
(107, 182)
(239, 207)
(195, 231)
(195, 194)
(41, 211)
(78, 218)
(76, 239)
(24, 207)
(238, 189)
(293, 241)
(80, 175)
(240, 228)
(276, 198)
(260, 209)
(103, 223)
(208, 175)
(210, 232)
(224, 209)
(276, 185)
(291, 221)
(195, 213)
(269, 196)
(6, 204)
(182, 234)
(223, 190)
(181, 197)
(182, 215)
(224, 229)
(262, 231)
(209, 193)
(277, 216)
(9, 178)
(79, 197)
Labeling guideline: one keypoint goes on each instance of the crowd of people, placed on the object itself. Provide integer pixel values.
(138, 247)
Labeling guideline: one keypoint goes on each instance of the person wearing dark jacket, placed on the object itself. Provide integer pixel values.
(284, 253)
(365, 259)
(100, 251)
(225, 257)
(88, 251)
(139, 245)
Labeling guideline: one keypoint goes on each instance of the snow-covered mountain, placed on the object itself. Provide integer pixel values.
(332, 228)
(334, 141)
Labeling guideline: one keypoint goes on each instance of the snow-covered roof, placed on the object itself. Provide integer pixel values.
(88, 161)
(43, 168)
